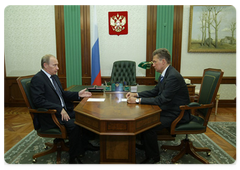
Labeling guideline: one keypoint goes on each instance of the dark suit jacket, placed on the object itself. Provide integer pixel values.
(44, 96)
(169, 95)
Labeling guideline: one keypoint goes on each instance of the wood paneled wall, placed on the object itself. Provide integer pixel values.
(151, 36)
(12, 93)
(177, 37)
(60, 43)
(85, 44)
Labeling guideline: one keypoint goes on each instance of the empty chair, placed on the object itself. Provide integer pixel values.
(124, 71)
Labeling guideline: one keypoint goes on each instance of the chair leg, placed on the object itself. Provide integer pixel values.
(193, 152)
(186, 147)
(176, 148)
(58, 145)
(48, 144)
(58, 155)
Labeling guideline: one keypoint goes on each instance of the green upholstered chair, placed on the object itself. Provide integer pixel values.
(209, 87)
(124, 71)
(59, 133)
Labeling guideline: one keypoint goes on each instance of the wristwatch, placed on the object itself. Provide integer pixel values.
(137, 100)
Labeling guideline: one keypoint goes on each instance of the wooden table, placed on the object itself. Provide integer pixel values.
(117, 123)
(140, 88)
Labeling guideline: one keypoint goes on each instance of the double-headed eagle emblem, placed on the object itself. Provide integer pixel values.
(118, 22)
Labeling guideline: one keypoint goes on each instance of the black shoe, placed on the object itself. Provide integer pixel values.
(81, 155)
(150, 161)
(90, 147)
(140, 147)
(75, 161)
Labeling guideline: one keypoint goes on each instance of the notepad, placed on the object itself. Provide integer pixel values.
(96, 100)
(124, 100)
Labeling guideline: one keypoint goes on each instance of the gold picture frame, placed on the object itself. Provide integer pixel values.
(211, 24)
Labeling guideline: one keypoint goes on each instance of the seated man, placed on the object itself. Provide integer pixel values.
(170, 92)
(47, 92)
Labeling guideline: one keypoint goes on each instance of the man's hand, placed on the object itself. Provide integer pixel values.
(65, 115)
(84, 93)
(129, 94)
(131, 100)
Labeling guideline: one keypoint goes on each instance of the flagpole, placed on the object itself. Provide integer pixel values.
(96, 70)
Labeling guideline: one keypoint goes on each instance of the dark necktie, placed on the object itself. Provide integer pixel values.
(59, 93)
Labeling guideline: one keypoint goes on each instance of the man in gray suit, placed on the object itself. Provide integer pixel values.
(170, 92)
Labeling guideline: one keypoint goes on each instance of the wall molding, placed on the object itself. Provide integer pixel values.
(198, 80)
(13, 96)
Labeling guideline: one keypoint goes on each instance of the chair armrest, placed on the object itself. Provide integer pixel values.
(54, 118)
(77, 101)
(195, 105)
(42, 110)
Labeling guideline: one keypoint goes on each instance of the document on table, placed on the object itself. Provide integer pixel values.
(124, 100)
(96, 100)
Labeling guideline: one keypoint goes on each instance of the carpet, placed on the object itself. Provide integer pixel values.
(227, 130)
(22, 152)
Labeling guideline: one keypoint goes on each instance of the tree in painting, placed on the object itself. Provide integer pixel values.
(213, 28)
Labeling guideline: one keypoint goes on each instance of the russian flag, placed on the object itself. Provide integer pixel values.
(96, 71)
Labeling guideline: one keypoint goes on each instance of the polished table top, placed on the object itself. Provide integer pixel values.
(115, 115)
(114, 107)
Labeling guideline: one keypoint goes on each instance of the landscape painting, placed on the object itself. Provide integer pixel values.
(212, 29)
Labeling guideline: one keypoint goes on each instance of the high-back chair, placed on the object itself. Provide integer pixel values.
(124, 71)
(209, 87)
(59, 133)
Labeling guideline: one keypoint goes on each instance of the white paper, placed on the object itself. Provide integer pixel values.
(96, 100)
(124, 100)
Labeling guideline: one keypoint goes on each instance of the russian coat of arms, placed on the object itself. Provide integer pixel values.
(118, 23)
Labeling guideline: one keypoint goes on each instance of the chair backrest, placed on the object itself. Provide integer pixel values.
(24, 85)
(209, 87)
(124, 71)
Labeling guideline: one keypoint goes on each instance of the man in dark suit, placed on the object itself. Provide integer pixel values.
(47, 92)
(170, 92)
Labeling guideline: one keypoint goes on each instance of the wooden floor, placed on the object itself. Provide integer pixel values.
(18, 123)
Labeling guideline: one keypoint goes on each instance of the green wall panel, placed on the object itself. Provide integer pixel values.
(164, 33)
(73, 45)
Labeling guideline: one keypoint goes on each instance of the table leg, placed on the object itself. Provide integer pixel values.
(117, 149)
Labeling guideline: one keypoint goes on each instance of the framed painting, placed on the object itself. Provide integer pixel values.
(212, 29)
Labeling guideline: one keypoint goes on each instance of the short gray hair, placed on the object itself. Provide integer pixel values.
(46, 59)
(162, 53)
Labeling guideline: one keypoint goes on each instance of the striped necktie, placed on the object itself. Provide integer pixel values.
(59, 93)
(161, 79)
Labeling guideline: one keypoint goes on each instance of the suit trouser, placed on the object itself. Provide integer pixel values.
(77, 139)
(150, 140)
